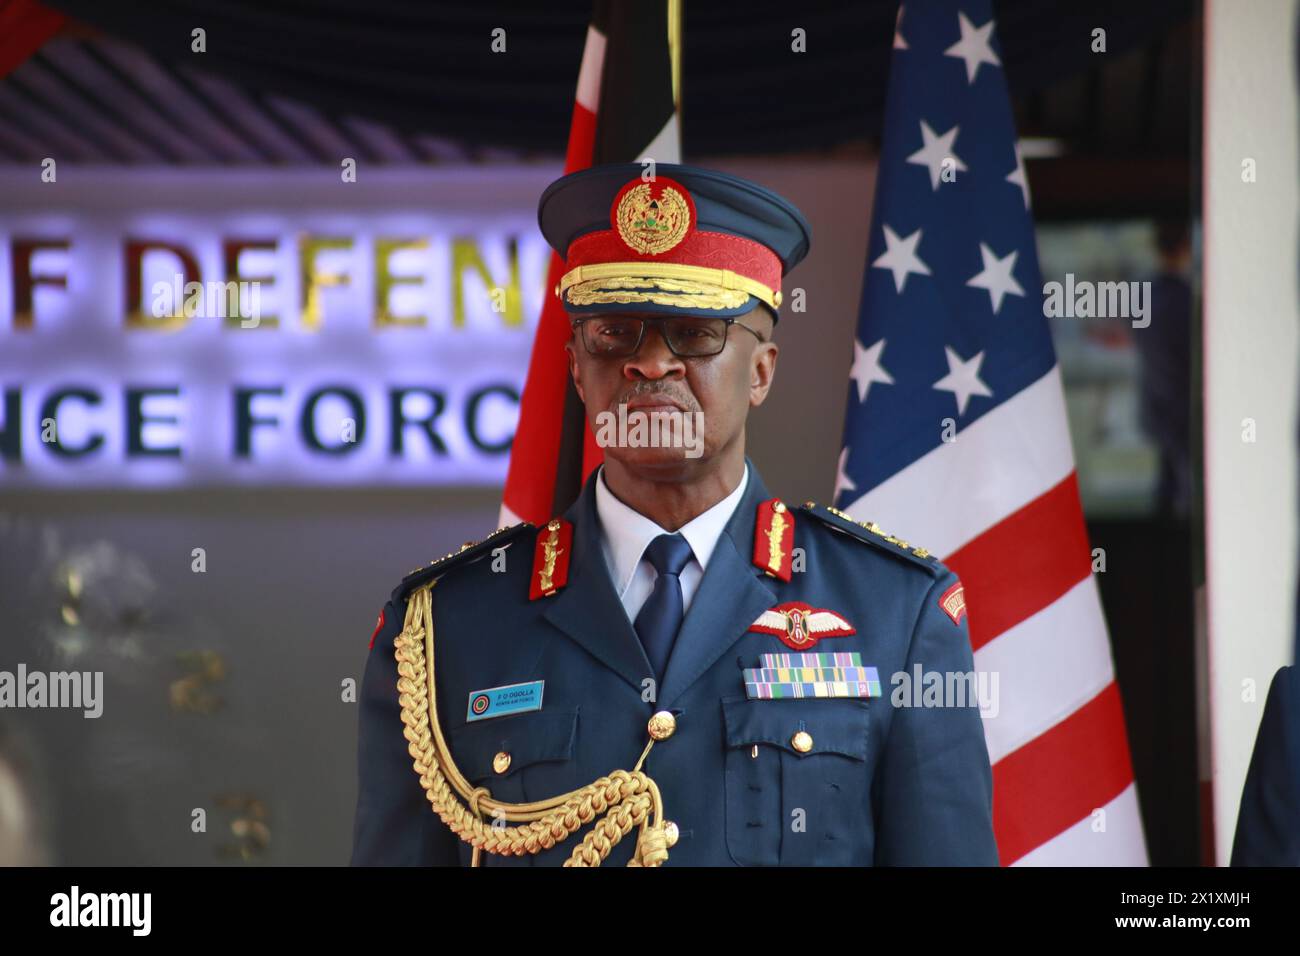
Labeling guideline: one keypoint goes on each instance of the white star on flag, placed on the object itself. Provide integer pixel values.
(899, 42)
(1017, 175)
(996, 276)
(934, 151)
(963, 378)
(842, 480)
(974, 46)
(867, 368)
(900, 257)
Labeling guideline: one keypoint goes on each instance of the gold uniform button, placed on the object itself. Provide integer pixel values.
(662, 725)
(501, 762)
(671, 833)
(802, 741)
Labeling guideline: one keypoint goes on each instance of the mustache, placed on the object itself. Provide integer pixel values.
(650, 390)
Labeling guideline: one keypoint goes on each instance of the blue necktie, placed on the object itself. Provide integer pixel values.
(661, 616)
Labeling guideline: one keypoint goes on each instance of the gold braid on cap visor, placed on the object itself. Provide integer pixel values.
(624, 799)
(662, 283)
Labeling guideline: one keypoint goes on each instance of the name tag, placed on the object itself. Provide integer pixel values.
(509, 699)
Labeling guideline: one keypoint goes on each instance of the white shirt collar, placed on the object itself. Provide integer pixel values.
(626, 533)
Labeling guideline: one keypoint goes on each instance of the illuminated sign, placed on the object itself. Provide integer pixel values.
(170, 328)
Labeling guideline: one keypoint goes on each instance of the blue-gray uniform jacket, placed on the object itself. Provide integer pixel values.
(880, 784)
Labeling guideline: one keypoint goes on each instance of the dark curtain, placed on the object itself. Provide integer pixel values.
(428, 66)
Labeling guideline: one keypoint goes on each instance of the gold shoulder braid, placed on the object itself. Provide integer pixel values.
(626, 798)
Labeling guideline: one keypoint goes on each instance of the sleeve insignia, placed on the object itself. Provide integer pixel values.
(953, 602)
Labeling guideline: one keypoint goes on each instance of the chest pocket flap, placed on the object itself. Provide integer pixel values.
(528, 738)
(836, 725)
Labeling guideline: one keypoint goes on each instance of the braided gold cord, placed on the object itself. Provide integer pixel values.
(627, 799)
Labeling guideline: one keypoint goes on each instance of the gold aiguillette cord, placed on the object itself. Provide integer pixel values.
(622, 800)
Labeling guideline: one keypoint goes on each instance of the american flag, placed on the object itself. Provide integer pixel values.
(956, 438)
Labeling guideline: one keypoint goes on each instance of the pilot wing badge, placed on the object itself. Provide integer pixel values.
(800, 626)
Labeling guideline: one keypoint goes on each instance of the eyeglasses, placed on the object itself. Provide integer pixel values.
(619, 336)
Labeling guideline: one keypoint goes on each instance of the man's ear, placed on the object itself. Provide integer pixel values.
(762, 370)
(762, 363)
(574, 371)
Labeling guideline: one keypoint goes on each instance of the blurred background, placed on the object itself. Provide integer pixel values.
(228, 594)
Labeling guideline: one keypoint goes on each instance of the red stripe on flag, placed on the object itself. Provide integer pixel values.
(592, 453)
(24, 27)
(1024, 562)
(1061, 776)
(530, 480)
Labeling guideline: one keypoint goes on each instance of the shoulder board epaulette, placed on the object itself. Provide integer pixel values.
(469, 551)
(872, 533)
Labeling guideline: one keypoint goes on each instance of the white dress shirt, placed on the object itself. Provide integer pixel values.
(626, 533)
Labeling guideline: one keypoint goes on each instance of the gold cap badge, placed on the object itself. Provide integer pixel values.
(652, 225)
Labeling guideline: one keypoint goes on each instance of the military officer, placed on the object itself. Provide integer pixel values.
(683, 668)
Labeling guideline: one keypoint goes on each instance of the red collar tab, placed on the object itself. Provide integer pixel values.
(551, 559)
(774, 539)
